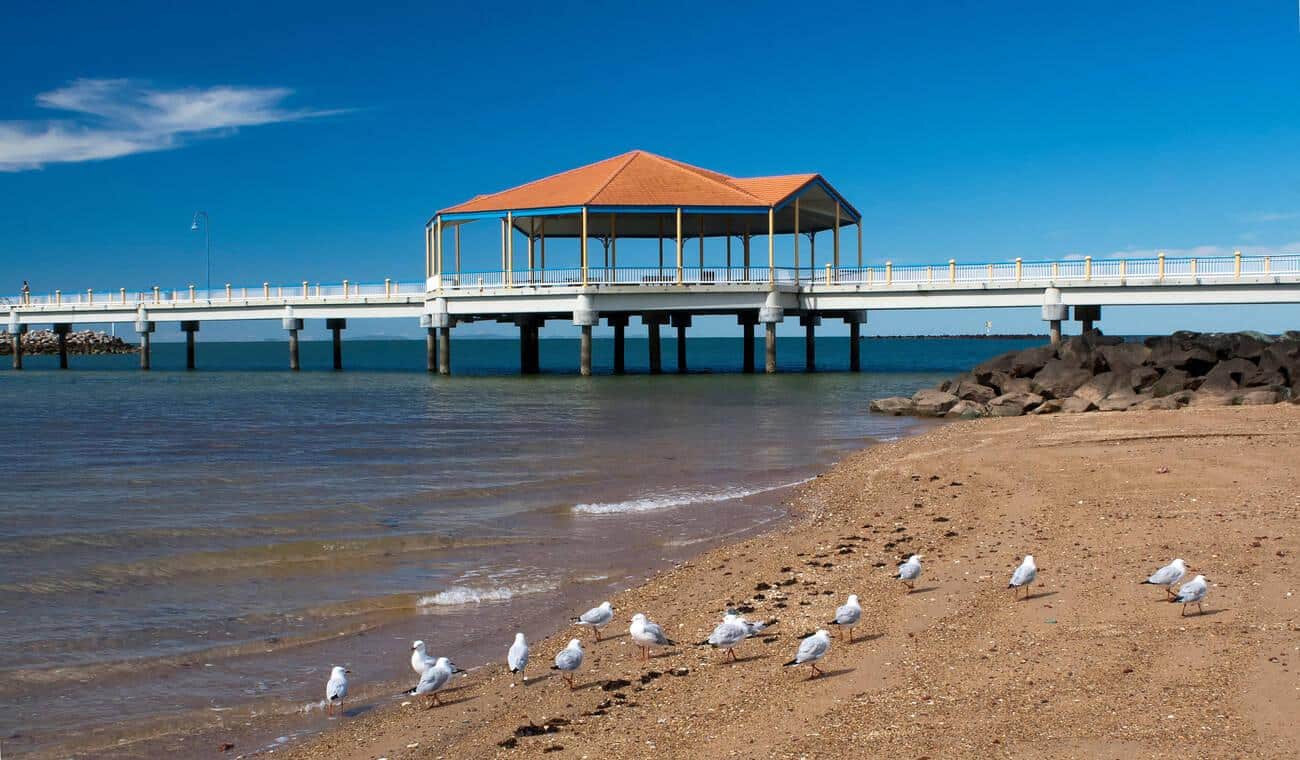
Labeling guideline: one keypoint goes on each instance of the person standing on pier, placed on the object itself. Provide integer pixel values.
(27, 294)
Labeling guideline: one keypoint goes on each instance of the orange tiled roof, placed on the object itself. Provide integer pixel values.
(638, 178)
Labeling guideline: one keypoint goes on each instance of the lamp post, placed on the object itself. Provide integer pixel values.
(207, 244)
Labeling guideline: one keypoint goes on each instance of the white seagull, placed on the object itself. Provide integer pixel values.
(517, 657)
(1023, 576)
(752, 627)
(435, 677)
(568, 661)
(811, 650)
(596, 617)
(336, 689)
(729, 633)
(848, 615)
(1168, 576)
(646, 634)
(909, 571)
(420, 661)
(1192, 592)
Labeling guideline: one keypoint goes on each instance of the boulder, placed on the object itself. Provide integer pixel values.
(1172, 381)
(1029, 361)
(1142, 378)
(1213, 398)
(1121, 401)
(1076, 352)
(932, 403)
(895, 405)
(1098, 388)
(1076, 405)
(1013, 404)
(1122, 357)
(1018, 385)
(1228, 375)
(1281, 356)
(969, 390)
(1181, 351)
(985, 370)
(1058, 379)
(1049, 406)
(1260, 397)
(1245, 345)
(1164, 402)
(966, 410)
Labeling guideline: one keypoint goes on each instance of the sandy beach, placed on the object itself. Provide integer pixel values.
(1093, 664)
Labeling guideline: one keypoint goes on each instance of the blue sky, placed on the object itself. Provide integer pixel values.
(320, 137)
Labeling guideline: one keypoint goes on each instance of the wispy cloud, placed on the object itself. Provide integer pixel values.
(110, 118)
(1269, 216)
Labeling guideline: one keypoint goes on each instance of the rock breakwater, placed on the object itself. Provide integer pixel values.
(79, 342)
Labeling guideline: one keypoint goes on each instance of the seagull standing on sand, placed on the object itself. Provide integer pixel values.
(811, 650)
(752, 627)
(648, 634)
(848, 615)
(420, 661)
(568, 661)
(1023, 576)
(909, 571)
(336, 689)
(1168, 576)
(435, 677)
(596, 617)
(1192, 592)
(517, 657)
(729, 633)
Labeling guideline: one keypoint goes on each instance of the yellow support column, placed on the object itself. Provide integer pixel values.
(1160, 265)
(428, 251)
(796, 238)
(456, 235)
(859, 244)
(542, 263)
(836, 236)
(771, 244)
(437, 245)
(1236, 265)
(679, 245)
(583, 246)
(661, 247)
(1087, 267)
(510, 247)
(613, 240)
(1020, 268)
(952, 270)
(701, 246)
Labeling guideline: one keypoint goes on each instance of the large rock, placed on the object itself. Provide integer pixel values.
(1018, 385)
(1029, 361)
(969, 390)
(1281, 356)
(1123, 357)
(895, 405)
(1142, 378)
(1181, 351)
(1099, 387)
(1260, 397)
(1172, 381)
(1001, 364)
(932, 403)
(1076, 405)
(1213, 398)
(1164, 402)
(1246, 345)
(1120, 402)
(966, 410)
(1076, 352)
(1013, 404)
(1228, 375)
(1049, 406)
(1058, 379)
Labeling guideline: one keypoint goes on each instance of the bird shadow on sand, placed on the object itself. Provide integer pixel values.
(534, 679)
(1039, 595)
(1215, 611)
(450, 702)
(605, 638)
(587, 685)
(922, 590)
(861, 639)
(747, 658)
(358, 710)
(832, 674)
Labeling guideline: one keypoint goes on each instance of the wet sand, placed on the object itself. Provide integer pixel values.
(1092, 664)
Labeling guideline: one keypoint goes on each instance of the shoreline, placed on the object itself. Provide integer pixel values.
(847, 529)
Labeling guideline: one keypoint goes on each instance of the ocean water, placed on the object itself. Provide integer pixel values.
(183, 555)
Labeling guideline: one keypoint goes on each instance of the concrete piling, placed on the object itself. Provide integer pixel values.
(810, 321)
(747, 321)
(584, 352)
(431, 349)
(855, 320)
(681, 322)
(619, 323)
(337, 326)
(1087, 315)
(771, 313)
(652, 339)
(293, 326)
(769, 352)
(444, 350)
(61, 332)
(1053, 313)
(586, 317)
(144, 328)
(189, 327)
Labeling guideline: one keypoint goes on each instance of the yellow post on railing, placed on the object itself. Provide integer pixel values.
(1193, 266)
(266, 290)
(1236, 265)
(243, 293)
(157, 294)
(228, 296)
(889, 272)
(1087, 267)
(345, 288)
(123, 295)
(1123, 268)
(990, 273)
(1056, 270)
(828, 274)
(1019, 268)
(90, 295)
(952, 270)
(304, 288)
(929, 273)
(870, 275)
(1268, 264)
(1160, 265)
(318, 290)
(191, 292)
(58, 297)
(388, 286)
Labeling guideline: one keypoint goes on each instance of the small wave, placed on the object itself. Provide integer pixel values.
(677, 499)
(461, 595)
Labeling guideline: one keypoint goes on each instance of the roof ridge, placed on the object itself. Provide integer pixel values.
(706, 174)
(631, 155)
(549, 177)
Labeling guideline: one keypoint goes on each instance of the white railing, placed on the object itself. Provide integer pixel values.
(1158, 270)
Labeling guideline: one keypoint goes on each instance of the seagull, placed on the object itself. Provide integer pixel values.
(435, 677)
(1023, 576)
(336, 689)
(752, 627)
(848, 614)
(647, 634)
(729, 633)
(596, 617)
(568, 661)
(1168, 576)
(420, 661)
(909, 571)
(1192, 592)
(811, 650)
(517, 657)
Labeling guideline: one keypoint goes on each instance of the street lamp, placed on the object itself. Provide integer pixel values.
(207, 243)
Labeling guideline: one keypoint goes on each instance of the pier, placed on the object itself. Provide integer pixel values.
(769, 273)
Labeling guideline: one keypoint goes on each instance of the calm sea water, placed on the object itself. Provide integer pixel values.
(184, 555)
